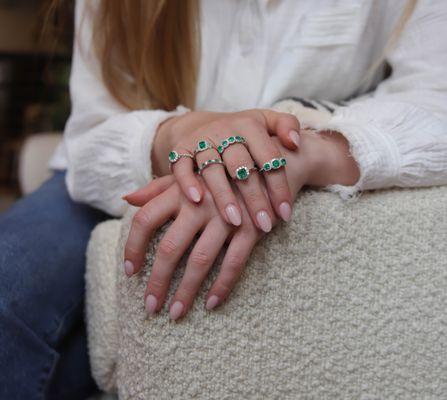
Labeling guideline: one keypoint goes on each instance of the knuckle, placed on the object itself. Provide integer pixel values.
(279, 187)
(142, 218)
(235, 264)
(155, 285)
(167, 248)
(200, 258)
(253, 196)
(221, 195)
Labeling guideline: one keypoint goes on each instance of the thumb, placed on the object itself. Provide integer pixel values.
(284, 125)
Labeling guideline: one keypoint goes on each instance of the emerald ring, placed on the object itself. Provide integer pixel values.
(243, 172)
(175, 156)
(229, 141)
(207, 163)
(203, 145)
(274, 163)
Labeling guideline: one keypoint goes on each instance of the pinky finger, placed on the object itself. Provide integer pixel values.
(145, 194)
(233, 264)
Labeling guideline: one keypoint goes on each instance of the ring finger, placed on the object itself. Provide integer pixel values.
(214, 175)
(240, 166)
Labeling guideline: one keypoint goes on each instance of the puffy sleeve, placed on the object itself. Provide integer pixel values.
(398, 135)
(107, 146)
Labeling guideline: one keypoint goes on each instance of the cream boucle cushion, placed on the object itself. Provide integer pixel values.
(347, 301)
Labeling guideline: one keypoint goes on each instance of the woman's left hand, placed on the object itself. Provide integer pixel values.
(168, 201)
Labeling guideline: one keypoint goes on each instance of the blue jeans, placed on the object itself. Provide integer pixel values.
(43, 349)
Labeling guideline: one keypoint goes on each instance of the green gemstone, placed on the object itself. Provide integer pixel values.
(220, 149)
(242, 173)
(266, 166)
(283, 162)
(172, 156)
(202, 144)
(231, 139)
(239, 138)
(276, 163)
(225, 143)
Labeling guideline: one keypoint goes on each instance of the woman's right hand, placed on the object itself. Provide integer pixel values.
(182, 134)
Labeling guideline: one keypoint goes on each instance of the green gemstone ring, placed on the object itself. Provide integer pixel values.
(175, 156)
(274, 163)
(207, 163)
(243, 172)
(229, 141)
(202, 145)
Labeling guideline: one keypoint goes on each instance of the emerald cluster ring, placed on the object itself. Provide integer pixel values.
(243, 172)
(175, 156)
(202, 145)
(274, 163)
(229, 141)
(207, 163)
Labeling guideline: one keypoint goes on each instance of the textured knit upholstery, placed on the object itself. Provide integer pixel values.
(347, 301)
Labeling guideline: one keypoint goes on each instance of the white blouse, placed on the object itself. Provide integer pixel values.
(257, 52)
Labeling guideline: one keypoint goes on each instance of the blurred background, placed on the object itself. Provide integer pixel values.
(34, 99)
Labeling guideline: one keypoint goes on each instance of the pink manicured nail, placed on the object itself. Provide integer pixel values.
(233, 215)
(194, 194)
(285, 211)
(294, 137)
(151, 304)
(129, 268)
(176, 310)
(212, 302)
(264, 221)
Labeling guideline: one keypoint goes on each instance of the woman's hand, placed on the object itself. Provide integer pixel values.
(253, 127)
(167, 201)
(323, 159)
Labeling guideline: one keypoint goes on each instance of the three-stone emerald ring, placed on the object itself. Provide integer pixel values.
(229, 141)
(274, 163)
(243, 172)
(203, 145)
(175, 156)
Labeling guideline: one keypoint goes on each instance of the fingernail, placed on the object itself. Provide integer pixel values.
(194, 194)
(285, 211)
(264, 221)
(233, 215)
(176, 310)
(212, 302)
(151, 304)
(295, 137)
(128, 268)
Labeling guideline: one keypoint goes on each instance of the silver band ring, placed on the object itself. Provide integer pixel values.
(229, 141)
(203, 145)
(274, 163)
(207, 163)
(243, 172)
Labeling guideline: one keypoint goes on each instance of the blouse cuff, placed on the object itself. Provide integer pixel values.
(142, 145)
(382, 141)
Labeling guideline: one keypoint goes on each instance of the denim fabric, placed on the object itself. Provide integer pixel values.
(43, 349)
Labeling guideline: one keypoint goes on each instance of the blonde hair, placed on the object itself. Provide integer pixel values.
(149, 51)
